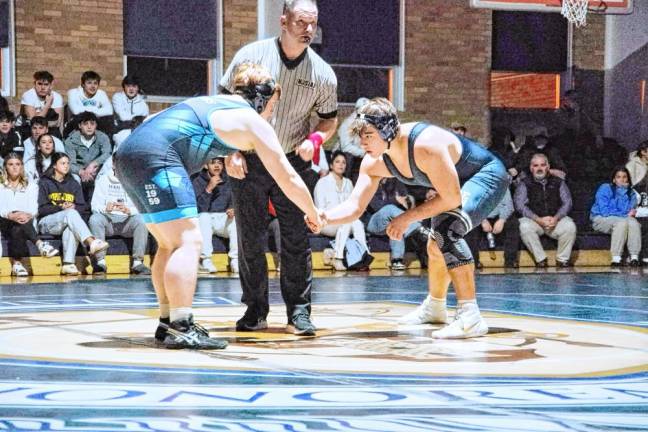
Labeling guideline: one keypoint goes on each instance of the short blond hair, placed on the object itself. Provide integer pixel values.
(376, 107)
(250, 74)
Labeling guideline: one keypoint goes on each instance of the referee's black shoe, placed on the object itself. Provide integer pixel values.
(249, 323)
(186, 334)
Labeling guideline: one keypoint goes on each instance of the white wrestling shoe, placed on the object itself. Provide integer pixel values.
(430, 311)
(468, 323)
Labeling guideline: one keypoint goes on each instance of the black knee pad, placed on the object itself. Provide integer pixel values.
(449, 232)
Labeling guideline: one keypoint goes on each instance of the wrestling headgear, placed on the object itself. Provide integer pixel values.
(257, 95)
(387, 125)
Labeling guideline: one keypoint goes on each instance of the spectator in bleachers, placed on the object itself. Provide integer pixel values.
(642, 216)
(539, 143)
(215, 213)
(41, 100)
(38, 128)
(10, 141)
(60, 205)
(36, 165)
(121, 136)
(637, 164)
(129, 103)
(18, 209)
(113, 213)
(88, 149)
(350, 143)
(500, 221)
(389, 201)
(459, 128)
(329, 192)
(89, 97)
(544, 200)
(503, 145)
(573, 122)
(613, 212)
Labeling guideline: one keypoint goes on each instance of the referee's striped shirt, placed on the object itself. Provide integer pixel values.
(308, 84)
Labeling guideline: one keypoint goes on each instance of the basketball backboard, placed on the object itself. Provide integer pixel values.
(600, 6)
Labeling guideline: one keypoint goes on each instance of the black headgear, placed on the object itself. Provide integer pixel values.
(257, 95)
(387, 125)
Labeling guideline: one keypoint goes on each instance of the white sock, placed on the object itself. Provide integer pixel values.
(468, 305)
(437, 301)
(179, 313)
(616, 259)
(164, 310)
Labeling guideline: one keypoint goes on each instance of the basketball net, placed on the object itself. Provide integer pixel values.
(575, 11)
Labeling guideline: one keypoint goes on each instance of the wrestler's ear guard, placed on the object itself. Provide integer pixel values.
(387, 126)
(257, 95)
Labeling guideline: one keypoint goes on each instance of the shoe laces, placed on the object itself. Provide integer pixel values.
(200, 329)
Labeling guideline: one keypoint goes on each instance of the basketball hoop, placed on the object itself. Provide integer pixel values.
(575, 11)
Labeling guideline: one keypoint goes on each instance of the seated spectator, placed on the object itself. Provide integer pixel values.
(499, 221)
(544, 201)
(129, 103)
(18, 209)
(60, 205)
(613, 212)
(38, 128)
(41, 100)
(88, 97)
(10, 141)
(637, 164)
(36, 165)
(121, 136)
(573, 122)
(459, 128)
(503, 145)
(539, 143)
(215, 213)
(88, 149)
(113, 213)
(390, 201)
(350, 143)
(642, 216)
(329, 192)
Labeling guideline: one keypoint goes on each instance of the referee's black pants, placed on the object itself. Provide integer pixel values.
(250, 198)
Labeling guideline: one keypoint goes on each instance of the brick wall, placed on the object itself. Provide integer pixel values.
(524, 90)
(589, 44)
(448, 49)
(239, 26)
(68, 37)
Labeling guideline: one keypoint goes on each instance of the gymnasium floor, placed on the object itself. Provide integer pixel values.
(567, 351)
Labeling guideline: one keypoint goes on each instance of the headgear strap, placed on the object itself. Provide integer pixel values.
(386, 125)
(257, 95)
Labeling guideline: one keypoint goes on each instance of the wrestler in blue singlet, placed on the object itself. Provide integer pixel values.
(156, 160)
(482, 176)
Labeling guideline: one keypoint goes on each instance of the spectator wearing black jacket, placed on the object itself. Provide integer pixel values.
(215, 213)
(60, 205)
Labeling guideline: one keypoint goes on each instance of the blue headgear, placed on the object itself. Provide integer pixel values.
(257, 95)
(386, 125)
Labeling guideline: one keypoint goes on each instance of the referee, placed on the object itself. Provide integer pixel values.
(308, 84)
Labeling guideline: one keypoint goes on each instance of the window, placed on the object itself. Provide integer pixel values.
(529, 53)
(6, 48)
(173, 51)
(346, 38)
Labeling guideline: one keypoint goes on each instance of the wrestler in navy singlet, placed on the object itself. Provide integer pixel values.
(482, 176)
(156, 160)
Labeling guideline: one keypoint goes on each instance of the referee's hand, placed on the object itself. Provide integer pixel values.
(305, 150)
(235, 165)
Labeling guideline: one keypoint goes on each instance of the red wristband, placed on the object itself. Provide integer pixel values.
(317, 141)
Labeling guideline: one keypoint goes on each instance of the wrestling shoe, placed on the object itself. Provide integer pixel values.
(184, 333)
(468, 323)
(163, 327)
(301, 325)
(429, 311)
(47, 250)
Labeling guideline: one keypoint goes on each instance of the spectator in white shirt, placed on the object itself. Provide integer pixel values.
(129, 103)
(18, 208)
(36, 165)
(329, 192)
(38, 128)
(113, 213)
(42, 101)
(88, 97)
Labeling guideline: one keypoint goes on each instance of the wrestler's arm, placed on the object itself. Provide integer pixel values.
(246, 130)
(365, 188)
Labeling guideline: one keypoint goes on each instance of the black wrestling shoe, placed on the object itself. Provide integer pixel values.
(301, 325)
(186, 334)
(163, 326)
